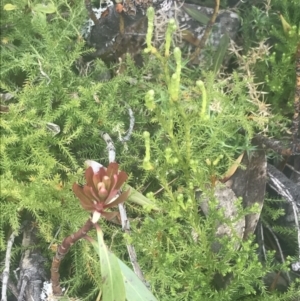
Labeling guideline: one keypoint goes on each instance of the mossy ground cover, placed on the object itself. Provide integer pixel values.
(190, 127)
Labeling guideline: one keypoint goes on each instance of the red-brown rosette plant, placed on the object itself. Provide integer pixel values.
(102, 189)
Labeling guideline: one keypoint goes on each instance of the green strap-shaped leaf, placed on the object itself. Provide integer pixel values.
(220, 53)
(135, 289)
(112, 279)
(139, 199)
(196, 14)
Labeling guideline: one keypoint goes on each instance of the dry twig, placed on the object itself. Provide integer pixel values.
(275, 145)
(6, 265)
(262, 239)
(110, 147)
(11, 286)
(279, 249)
(131, 125)
(207, 31)
(280, 184)
(123, 214)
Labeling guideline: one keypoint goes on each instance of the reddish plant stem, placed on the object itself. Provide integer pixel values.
(62, 250)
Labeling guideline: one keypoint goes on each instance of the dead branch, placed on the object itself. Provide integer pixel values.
(110, 147)
(11, 286)
(261, 239)
(276, 145)
(130, 248)
(283, 186)
(32, 271)
(131, 125)
(279, 249)
(295, 177)
(207, 31)
(290, 192)
(250, 184)
(5, 274)
(123, 214)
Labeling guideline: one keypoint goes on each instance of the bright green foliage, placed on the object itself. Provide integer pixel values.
(182, 268)
(193, 147)
(189, 130)
(42, 67)
(277, 70)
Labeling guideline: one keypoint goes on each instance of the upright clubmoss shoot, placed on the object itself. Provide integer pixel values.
(146, 163)
(149, 100)
(203, 112)
(175, 79)
(170, 30)
(150, 16)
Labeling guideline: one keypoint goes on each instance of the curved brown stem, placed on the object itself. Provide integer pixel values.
(62, 250)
